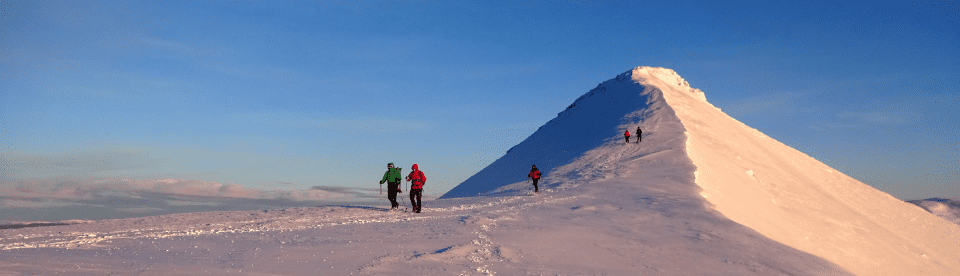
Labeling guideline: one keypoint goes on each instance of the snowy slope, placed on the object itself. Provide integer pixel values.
(598, 117)
(750, 178)
(636, 212)
(798, 201)
(605, 208)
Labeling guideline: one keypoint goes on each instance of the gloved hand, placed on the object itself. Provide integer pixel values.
(381, 182)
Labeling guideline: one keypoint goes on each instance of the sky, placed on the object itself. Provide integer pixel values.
(304, 96)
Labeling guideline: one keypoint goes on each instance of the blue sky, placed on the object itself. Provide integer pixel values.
(297, 94)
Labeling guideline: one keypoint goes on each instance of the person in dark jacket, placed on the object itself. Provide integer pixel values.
(535, 175)
(626, 135)
(638, 135)
(417, 179)
(392, 177)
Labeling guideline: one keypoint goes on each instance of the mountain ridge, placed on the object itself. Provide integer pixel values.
(742, 174)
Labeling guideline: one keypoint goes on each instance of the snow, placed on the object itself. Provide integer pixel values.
(661, 207)
(796, 200)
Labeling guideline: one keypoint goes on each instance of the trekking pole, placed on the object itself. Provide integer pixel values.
(400, 192)
(404, 202)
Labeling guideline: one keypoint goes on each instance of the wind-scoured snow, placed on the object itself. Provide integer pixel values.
(605, 208)
(796, 200)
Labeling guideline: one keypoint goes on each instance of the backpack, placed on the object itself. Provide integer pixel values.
(535, 174)
(418, 179)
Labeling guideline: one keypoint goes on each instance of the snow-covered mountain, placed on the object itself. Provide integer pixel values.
(702, 194)
(738, 171)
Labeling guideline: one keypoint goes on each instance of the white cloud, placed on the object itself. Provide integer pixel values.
(948, 209)
(54, 199)
(57, 192)
(46, 203)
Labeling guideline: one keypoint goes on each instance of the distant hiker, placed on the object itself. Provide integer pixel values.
(535, 174)
(638, 135)
(417, 179)
(626, 135)
(392, 177)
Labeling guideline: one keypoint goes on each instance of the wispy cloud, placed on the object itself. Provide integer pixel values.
(221, 59)
(773, 102)
(78, 188)
(878, 117)
(86, 161)
(272, 73)
(217, 58)
(889, 114)
(340, 124)
(171, 45)
(834, 126)
(899, 113)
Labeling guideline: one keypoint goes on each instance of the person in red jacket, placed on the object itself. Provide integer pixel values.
(417, 179)
(626, 135)
(535, 174)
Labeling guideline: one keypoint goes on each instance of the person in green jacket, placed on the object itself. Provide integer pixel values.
(392, 177)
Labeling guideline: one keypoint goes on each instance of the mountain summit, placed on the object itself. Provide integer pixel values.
(744, 181)
(566, 146)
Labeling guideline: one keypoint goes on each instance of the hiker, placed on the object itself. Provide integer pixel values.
(638, 135)
(626, 135)
(417, 179)
(535, 174)
(392, 177)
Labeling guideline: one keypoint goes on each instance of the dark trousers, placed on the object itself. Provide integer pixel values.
(535, 188)
(627, 137)
(415, 195)
(638, 139)
(392, 189)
